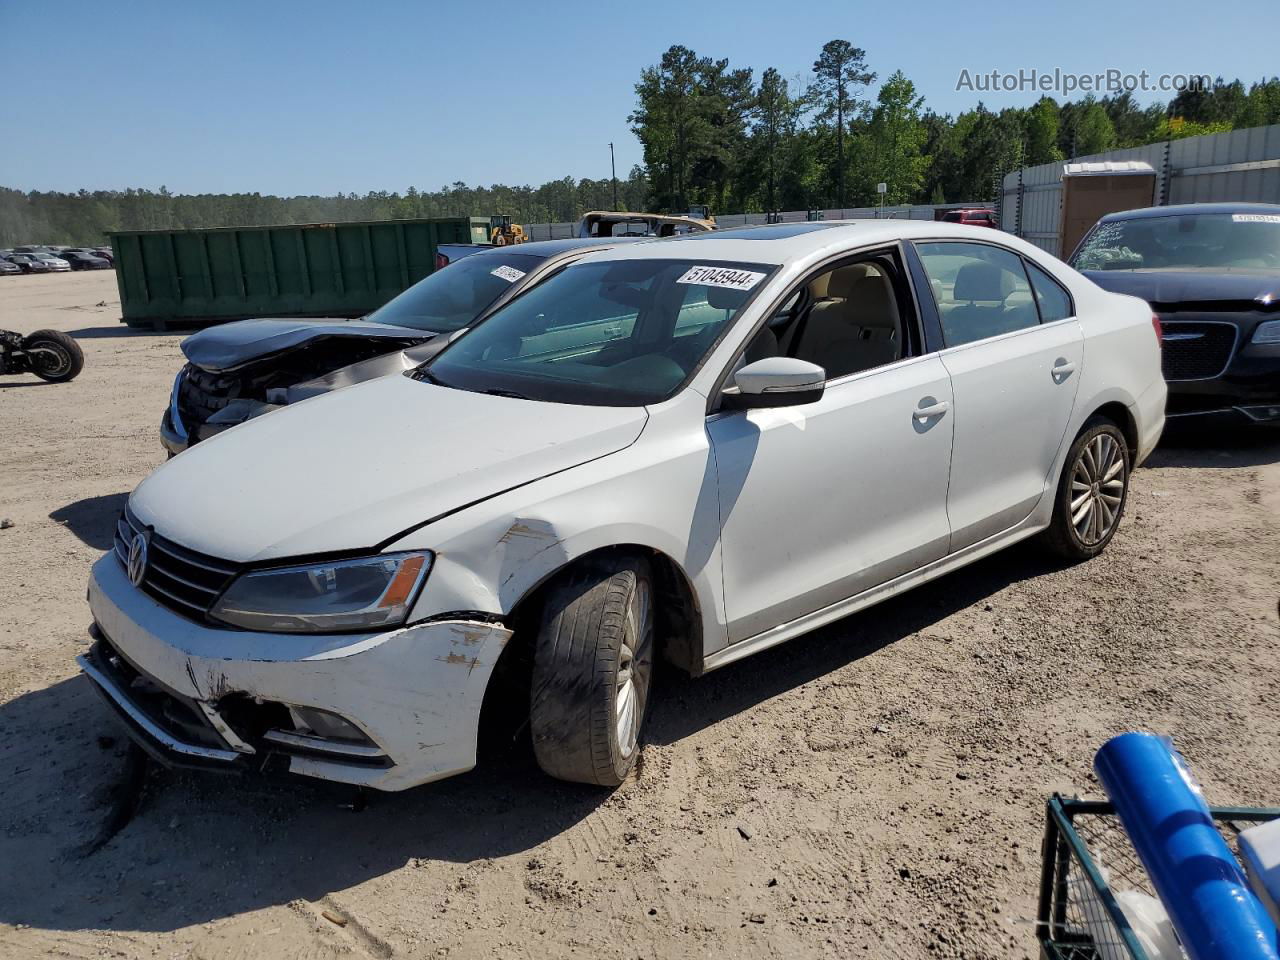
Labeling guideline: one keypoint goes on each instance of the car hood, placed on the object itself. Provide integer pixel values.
(1204, 289)
(232, 345)
(353, 469)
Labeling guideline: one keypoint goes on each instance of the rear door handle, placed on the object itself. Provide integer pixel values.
(1063, 369)
(932, 410)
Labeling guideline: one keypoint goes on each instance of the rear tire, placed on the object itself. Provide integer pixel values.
(57, 357)
(1092, 492)
(592, 666)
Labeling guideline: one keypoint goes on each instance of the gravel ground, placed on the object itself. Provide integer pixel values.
(874, 789)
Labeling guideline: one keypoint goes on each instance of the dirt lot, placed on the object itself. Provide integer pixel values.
(875, 789)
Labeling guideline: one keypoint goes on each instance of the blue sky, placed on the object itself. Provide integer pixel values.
(287, 97)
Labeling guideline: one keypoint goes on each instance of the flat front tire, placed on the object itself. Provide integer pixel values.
(592, 667)
(1092, 492)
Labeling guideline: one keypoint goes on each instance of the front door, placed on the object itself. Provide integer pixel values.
(822, 501)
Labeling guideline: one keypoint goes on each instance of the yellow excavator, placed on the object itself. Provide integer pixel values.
(503, 232)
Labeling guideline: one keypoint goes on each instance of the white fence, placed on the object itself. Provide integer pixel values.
(561, 231)
(1239, 166)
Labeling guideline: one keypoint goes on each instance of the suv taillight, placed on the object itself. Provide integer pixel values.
(441, 261)
(1155, 323)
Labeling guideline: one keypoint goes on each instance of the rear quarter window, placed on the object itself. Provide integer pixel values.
(1052, 299)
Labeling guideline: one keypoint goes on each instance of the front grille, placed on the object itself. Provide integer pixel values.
(183, 580)
(202, 393)
(1197, 350)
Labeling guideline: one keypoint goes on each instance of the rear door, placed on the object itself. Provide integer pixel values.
(1014, 380)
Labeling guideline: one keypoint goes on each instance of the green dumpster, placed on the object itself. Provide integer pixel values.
(300, 270)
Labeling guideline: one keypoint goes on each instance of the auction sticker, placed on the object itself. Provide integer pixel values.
(1255, 217)
(509, 274)
(726, 277)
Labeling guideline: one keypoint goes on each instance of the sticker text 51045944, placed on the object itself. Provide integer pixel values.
(509, 274)
(728, 277)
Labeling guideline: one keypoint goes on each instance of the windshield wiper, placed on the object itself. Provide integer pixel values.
(424, 373)
(506, 393)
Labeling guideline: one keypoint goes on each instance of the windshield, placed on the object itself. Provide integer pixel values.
(610, 333)
(453, 296)
(1189, 241)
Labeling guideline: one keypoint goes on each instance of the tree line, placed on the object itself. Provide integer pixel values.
(84, 218)
(713, 134)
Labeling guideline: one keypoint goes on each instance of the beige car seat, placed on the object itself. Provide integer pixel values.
(855, 326)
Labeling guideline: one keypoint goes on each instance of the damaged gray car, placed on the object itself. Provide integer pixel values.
(238, 371)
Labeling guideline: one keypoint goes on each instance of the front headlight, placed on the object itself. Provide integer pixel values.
(368, 593)
(1268, 332)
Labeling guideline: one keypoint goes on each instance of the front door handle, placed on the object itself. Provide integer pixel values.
(931, 408)
(1062, 369)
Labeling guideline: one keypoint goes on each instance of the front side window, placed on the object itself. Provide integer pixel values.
(1216, 241)
(981, 290)
(853, 323)
(454, 296)
(611, 333)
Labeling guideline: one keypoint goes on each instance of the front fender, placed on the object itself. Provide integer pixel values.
(658, 494)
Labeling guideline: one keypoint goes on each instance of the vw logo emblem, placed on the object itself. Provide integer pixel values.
(138, 559)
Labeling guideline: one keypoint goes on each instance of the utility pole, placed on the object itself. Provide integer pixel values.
(613, 170)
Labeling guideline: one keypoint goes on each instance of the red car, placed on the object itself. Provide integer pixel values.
(976, 217)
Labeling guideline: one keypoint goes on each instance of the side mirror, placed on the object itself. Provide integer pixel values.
(775, 382)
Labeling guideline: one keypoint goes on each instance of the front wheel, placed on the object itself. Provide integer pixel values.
(54, 356)
(1092, 492)
(592, 666)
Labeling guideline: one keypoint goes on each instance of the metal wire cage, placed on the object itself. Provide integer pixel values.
(1086, 858)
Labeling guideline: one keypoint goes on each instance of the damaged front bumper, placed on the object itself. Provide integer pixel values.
(171, 438)
(173, 432)
(175, 437)
(386, 710)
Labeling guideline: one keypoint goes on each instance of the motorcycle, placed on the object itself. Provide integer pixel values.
(50, 354)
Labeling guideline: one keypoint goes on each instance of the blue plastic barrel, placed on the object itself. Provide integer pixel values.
(1194, 873)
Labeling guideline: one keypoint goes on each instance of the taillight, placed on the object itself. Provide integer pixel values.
(1155, 323)
(441, 261)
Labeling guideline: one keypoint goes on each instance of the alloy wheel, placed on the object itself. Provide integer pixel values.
(635, 664)
(52, 361)
(1097, 489)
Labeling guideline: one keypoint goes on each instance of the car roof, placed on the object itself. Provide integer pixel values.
(550, 248)
(1187, 209)
(781, 242)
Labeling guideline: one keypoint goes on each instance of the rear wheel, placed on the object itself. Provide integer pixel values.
(54, 356)
(593, 662)
(1092, 492)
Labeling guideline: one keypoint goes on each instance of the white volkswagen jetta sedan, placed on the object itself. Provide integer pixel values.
(693, 448)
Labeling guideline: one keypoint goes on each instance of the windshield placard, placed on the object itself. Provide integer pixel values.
(727, 277)
(509, 274)
(1255, 218)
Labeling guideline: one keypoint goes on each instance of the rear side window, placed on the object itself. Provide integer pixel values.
(1053, 301)
(981, 290)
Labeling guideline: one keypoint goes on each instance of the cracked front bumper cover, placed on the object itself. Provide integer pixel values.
(159, 743)
(415, 693)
